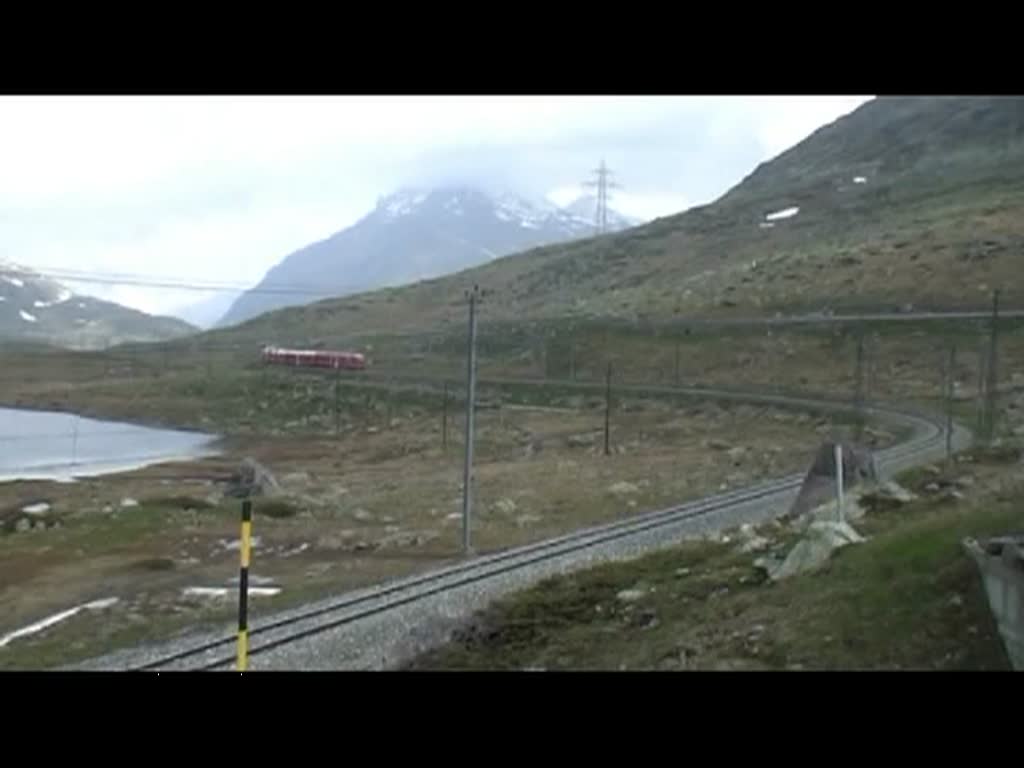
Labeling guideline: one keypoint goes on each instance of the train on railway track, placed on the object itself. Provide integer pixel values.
(314, 358)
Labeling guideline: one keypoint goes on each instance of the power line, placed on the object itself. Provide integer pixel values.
(114, 278)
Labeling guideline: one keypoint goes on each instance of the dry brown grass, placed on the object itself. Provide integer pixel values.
(370, 507)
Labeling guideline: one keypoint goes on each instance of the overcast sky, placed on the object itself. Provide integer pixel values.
(219, 189)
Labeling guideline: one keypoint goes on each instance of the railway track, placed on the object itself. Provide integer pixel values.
(275, 638)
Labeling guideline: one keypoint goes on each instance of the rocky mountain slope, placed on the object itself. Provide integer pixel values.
(903, 202)
(38, 309)
(412, 235)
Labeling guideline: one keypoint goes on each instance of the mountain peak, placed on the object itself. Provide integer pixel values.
(401, 202)
(460, 200)
(417, 233)
(34, 307)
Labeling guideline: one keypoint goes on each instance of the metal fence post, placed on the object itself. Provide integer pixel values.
(337, 398)
(444, 417)
(467, 475)
(839, 480)
(607, 408)
(950, 387)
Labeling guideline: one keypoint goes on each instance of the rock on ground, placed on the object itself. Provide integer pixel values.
(630, 595)
(814, 550)
(582, 441)
(895, 492)
(889, 494)
(750, 540)
(819, 483)
(362, 515)
(252, 479)
(853, 509)
(623, 489)
(504, 506)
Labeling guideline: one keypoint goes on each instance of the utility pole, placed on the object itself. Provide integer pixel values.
(871, 368)
(982, 357)
(859, 386)
(839, 480)
(444, 418)
(602, 184)
(950, 379)
(467, 476)
(337, 398)
(607, 409)
(992, 383)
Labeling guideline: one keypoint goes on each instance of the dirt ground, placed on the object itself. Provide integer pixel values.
(369, 504)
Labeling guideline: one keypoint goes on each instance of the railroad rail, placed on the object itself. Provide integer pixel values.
(647, 529)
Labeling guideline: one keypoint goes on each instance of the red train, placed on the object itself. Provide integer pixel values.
(314, 358)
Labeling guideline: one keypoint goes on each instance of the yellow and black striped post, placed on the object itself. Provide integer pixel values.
(243, 588)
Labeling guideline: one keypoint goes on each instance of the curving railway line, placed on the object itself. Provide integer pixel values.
(378, 627)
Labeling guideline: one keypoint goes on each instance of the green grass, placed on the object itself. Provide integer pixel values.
(274, 508)
(180, 502)
(154, 564)
(909, 598)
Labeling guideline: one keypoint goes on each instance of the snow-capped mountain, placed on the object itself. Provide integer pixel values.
(411, 235)
(34, 307)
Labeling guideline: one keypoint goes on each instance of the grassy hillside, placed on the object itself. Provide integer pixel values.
(933, 224)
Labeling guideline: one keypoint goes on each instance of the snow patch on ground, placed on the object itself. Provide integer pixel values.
(14, 281)
(234, 544)
(222, 592)
(63, 296)
(509, 207)
(785, 213)
(859, 180)
(28, 318)
(297, 551)
(402, 203)
(56, 618)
